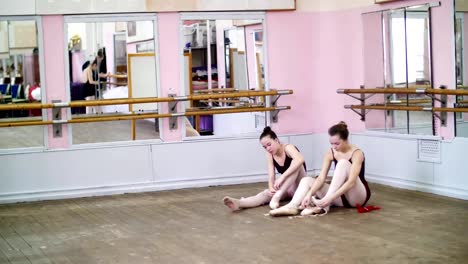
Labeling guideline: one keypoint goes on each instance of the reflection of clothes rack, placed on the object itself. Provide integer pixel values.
(197, 80)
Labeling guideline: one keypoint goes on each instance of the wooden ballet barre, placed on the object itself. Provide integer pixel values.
(220, 101)
(145, 116)
(216, 90)
(410, 101)
(115, 83)
(192, 109)
(84, 103)
(402, 91)
(118, 76)
(408, 108)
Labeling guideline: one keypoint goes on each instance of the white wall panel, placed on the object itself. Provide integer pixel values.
(49, 7)
(74, 169)
(390, 159)
(17, 7)
(45, 7)
(209, 159)
(453, 171)
(394, 158)
(313, 148)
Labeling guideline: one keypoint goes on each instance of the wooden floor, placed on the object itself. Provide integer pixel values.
(193, 226)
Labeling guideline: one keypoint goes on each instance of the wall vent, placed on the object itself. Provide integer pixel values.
(429, 150)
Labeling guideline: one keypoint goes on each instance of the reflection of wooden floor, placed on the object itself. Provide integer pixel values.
(112, 131)
(193, 226)
(32, 136)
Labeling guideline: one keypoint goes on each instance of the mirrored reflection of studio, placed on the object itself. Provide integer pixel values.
(20, 81)
(112, 58)
(223, 55)
(461, 65)
(397, 54)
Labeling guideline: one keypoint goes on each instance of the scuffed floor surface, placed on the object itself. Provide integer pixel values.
(193, 226)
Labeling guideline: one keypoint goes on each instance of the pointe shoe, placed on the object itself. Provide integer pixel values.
(284, 211)
(314, 211)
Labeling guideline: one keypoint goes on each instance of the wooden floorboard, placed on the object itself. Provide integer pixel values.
(193, 226)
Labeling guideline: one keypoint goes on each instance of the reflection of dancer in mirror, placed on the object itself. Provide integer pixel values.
(88, 78)
(347, 188)
(89, 82)
(292, 170)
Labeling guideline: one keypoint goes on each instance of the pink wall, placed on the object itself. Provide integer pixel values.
(28, 65)
(108, 39)
(315, 54)
(131, 48)
(78, 59)
(443, 57)
(220, 54)
(169, 59)
(53, 31)
(250, 49)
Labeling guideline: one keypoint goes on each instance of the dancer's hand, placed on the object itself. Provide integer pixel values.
(305, 202)
(322, 203)
(272, 191)
(278, 183)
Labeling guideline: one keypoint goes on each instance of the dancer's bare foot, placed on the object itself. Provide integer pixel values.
(232, 203)
(284, 211)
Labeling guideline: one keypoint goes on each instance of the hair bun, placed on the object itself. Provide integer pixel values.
(267, 129)
(343, 123)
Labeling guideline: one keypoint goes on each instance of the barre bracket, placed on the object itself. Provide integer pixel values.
(57, 115)
(173, 109)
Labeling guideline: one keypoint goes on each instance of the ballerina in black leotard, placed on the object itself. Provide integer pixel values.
(292, 170)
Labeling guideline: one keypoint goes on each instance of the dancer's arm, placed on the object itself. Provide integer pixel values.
(296, 163)
(318, 183)
(271, 173)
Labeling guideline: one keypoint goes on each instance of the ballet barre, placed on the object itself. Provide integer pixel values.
(439, 95)
(136, 115)
(172, 100)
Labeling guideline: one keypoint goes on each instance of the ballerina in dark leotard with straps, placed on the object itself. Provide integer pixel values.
(292, 171)
(347, 188)
(89, 84)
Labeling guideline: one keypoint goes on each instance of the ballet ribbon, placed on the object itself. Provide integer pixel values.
(366, 209)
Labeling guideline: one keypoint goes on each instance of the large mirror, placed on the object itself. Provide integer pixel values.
(112, 59)
(220, 56)
(461, 64)
(20, 82)
(397, 54)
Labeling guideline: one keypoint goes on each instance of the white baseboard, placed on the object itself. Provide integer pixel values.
(130, 188)
(418, 186)
(212, 181)
(134, 188)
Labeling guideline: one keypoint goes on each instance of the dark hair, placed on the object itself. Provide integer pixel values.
(100, 53)
(85, 65)
(94, 62)
(340, 129)
(268, 132)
